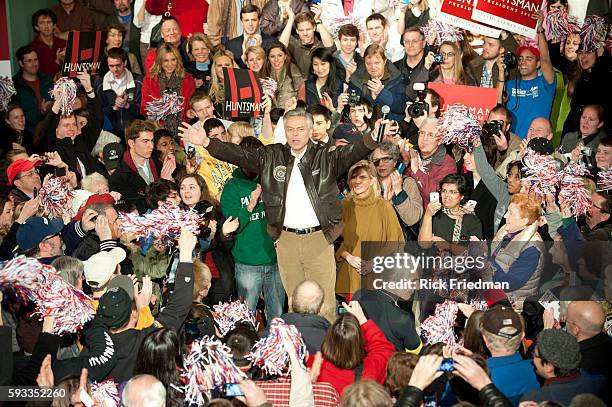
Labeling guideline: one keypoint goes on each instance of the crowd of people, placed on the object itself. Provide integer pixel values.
(350, 149)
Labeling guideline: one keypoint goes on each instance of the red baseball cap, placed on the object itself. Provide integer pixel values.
(96, 198)
(21, 165)
(530, 48)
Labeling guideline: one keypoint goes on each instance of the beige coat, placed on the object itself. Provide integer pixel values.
(216, 21)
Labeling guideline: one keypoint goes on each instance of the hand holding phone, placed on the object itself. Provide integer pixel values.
(434, 197)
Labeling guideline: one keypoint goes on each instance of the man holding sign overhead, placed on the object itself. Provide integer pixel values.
(300, 193)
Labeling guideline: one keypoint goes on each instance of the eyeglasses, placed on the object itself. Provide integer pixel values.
(428, 135)
(449, 191)
(447, 54)
(31, 173)
(382, 159)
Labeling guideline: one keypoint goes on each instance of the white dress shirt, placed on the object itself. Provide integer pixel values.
(299, 213)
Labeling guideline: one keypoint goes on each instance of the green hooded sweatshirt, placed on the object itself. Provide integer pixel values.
(252, 245)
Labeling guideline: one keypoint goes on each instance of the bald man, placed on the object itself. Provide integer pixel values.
(144, 391)
(540, 127)
(585, 321)
(305, 304)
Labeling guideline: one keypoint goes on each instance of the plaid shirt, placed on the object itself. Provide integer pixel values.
(486, 79)
(277, 392)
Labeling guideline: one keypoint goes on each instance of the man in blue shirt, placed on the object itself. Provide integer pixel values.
(530, 95)
(503, 332)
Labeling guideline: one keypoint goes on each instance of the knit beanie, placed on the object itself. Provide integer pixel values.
(559, 348)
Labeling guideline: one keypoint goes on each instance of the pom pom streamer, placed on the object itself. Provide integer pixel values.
(105, 394)
(269, 86)
(459, 126)
(572, 192)
(228, 314)
(542, 173)
(52, 295)
(168, 104)
(559, 24)
(439, 326)
(593, 33)
(69, 305)
(270, 352)
(66, 88)
(208, 366)
(7, 90)
(56, 197)
(164, 223)
(604, 180)
(436, 32)
(335, 23)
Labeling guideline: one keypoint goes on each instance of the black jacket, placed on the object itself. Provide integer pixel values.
(69, 150)
(312, 327)
(596, 355)
(130, 184)
(127, 343)
(396, 323)
(489, 395)
(319, 167)
(235, 45)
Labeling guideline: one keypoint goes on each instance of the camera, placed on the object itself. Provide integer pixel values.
(354, 97)
(447, 366)
(587, 157)
(420, 107)
(438, 58)
(191, 151)
(510, 60)
(493, 127)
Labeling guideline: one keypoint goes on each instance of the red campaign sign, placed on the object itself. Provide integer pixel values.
(459, 14)
(511, 15)
(479, 100)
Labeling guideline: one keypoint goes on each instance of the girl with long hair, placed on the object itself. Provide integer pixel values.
(221, 59)
(168, 75)
(451, 68)
(326, 79)
(279, 67)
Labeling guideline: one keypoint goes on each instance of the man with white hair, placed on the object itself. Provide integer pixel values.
(144, 391)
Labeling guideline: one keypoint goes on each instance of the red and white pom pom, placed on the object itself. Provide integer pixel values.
(559, 24)
(70, 307)
(270, 86)
(479, 305)
(436, 32)
(458, 126)
(168, 104)
(604, 180)
(542, 173)
(22, 274)
(335, 23)
(208, 366)
(105, 394)
(593, 33)
(228, 314)
(439, 327)
(163, 224)
(7, 90)
(270, 352)
(56, 197)
(66, 88)
(572, 191)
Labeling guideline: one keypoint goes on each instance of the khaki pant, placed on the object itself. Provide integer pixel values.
(308, 257)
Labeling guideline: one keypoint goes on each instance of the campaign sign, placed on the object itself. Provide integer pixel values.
(479, 101)
(459, 14)
(83, 52)
(243, 94)
(511, 15)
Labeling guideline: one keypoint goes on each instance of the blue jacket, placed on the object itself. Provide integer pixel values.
(513, 375)
(392, 95)
(563, 389)
(121, 118)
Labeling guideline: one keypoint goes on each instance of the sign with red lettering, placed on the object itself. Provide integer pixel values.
(511, 15)
(479, 100)
(83, 53)
(243, 94)
(459, 14)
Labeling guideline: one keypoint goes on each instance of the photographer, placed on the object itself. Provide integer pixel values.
(427, 105)
(415, 67)
(586, 139)
(360, 116)
(498, 127)
(486, 71)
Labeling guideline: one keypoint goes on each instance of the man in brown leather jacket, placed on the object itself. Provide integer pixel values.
(300, 194)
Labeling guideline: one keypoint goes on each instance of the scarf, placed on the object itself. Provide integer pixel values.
(457, 227)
